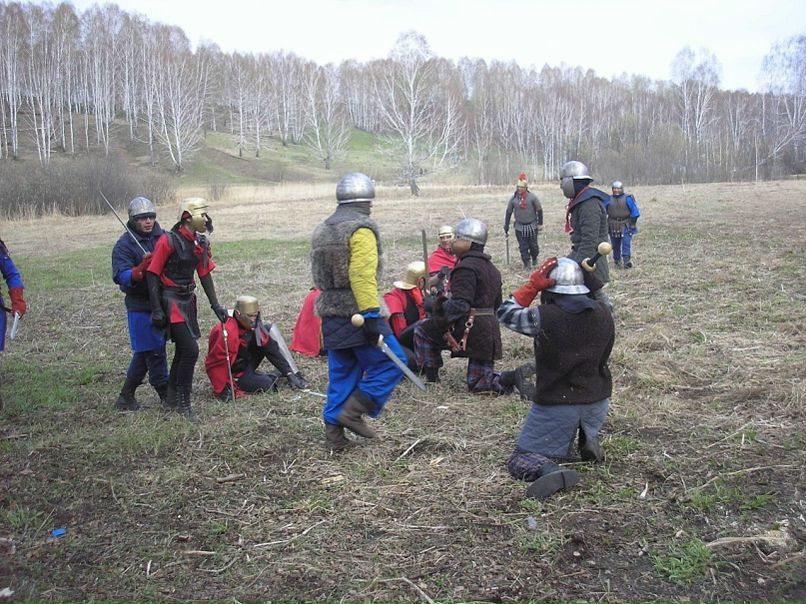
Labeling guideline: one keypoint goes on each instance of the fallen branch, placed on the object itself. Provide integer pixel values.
(407, 451)
(229, 478)
(747, 470)
(199, 552)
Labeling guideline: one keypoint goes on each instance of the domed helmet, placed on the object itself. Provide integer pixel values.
(571, 171)
(569, 278)
(355, 187)
(141, 206)
(618, 187)
(197, 208)
(471, 229)
(414, 271)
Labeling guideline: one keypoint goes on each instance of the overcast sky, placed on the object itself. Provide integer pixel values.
(611, 37)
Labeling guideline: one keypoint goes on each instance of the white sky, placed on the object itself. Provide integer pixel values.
(611, 37)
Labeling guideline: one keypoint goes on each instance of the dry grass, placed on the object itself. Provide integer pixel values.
(704, 442)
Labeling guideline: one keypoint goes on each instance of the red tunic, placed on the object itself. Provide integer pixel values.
(439, 259)
(163, 251)
(307, 335)
(216, 362)
(397, 300)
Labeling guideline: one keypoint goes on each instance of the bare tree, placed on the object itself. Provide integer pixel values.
(327, 131)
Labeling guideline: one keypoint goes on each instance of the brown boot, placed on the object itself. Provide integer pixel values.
(351, 415)
(336, 438)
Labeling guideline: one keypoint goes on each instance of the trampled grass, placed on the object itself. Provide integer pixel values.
(704, 441)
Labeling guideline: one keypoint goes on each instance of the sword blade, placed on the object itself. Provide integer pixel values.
(15, 326)
(275, 334)
(401, 365)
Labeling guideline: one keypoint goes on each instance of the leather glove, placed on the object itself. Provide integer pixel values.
(297, 381)
(139, 271)
(158, 318)
(18, 304)
(592, 281)
(371, 330)
(538, 281)
(220, 312)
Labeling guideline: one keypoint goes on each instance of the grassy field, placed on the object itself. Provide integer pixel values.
(700, 499)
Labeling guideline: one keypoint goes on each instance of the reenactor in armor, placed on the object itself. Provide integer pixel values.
(16, 289)
(464, 321)
(179, 253)
(573, 337)
(236, 348)
(528, 221)
(622, 223)
(346, 264)
(585, 218)
(130, 262)
(405, 304)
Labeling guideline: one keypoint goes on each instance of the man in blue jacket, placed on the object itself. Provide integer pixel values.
(622, 223)
(129, 264)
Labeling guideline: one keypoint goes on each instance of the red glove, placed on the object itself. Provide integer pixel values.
(139, 271)
(537, 282)
(18, 304)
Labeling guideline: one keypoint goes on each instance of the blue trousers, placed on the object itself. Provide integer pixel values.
(621, 245)
(154, 362)
(363, 367)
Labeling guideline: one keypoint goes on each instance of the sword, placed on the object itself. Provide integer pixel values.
(425, 249)
(506, 237)
(229, 365)
(358, 320)
(603, 249)
(125, 226)
(15, 326)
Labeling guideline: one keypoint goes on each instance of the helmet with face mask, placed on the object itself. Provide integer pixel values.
(570, 172)
(471, 229)
(196, 207)
(245, 306)
(141, 206)
(569, 278)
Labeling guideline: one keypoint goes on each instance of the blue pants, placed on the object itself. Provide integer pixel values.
(621, 245)
(154, 362)
(363, 367)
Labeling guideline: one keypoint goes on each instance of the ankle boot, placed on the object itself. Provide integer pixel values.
(432, 375)
(617, 262)
(551, 479)
(507, 378)
(162, 392)
(169, 402)
(589, 448)
(184, 406)
(126, 400)
(627, 262)
(336, 438)
(351, 415)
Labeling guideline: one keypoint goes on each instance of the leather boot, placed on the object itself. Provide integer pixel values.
(336, 438)
(126, 400)
(183, 405)
(617, 262)
(162, 392)
(551, 479)
(432, 375)
(507, 378)
(627, 262)
(169, 402)
(590, 449)
(351, 415)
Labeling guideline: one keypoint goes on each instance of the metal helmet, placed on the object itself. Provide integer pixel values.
(617, 184)
(414, 271)
(473, 230)
(571, 171)
(247, 305)
(355, 187)
(197, 208)
(569, 278)
(141, 206)
(445, 229)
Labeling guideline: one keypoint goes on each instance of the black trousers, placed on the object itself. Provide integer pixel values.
(527, 246)
(186, 354)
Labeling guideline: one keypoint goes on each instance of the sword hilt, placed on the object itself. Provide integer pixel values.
(603, 249)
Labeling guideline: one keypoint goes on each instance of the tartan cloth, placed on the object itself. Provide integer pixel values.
(526, 466)
(427, 352)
